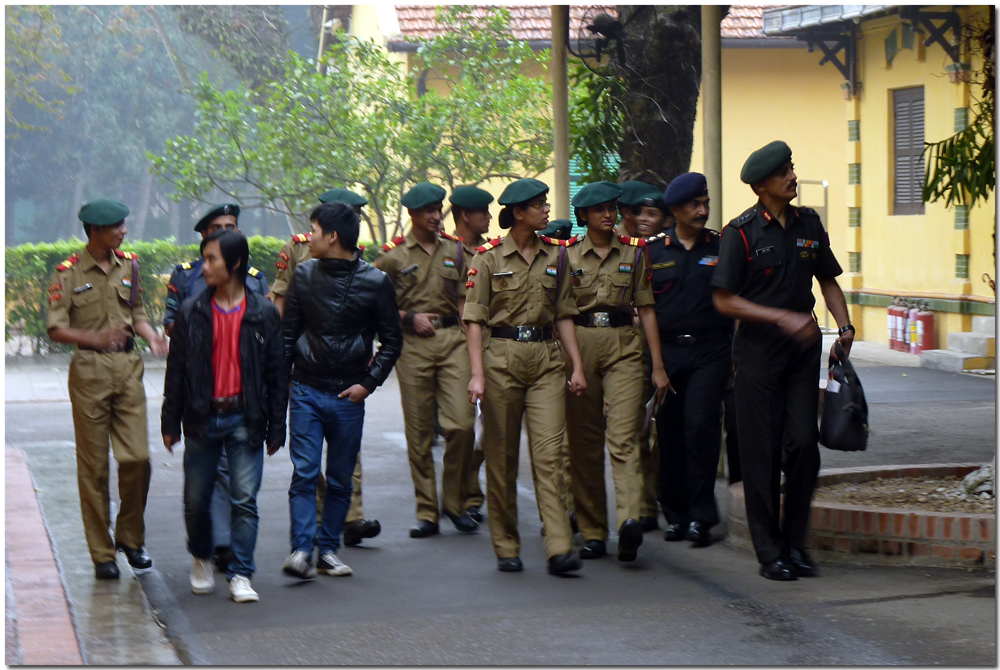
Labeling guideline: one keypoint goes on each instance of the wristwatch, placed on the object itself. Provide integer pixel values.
(844, 329)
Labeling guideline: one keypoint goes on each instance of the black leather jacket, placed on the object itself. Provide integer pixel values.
(189, 381)
(333, 310)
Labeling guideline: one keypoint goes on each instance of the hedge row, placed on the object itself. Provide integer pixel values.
(28, 269)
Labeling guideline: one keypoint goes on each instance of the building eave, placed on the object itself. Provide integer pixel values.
(790, 20)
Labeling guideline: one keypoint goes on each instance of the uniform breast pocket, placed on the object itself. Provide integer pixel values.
(449, 274)
(582, 281)
(504, 283)
(549, 282)
(766, 264)
(88, 297)
(664, 280)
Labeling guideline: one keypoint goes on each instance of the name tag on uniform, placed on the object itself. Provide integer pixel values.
(625, 267)
(709, 260)
(552, 270)
(765, 250)
(449, 263)
(808, 244)
(81, 289)
(660, 266)
(409, 270)
(503, 274)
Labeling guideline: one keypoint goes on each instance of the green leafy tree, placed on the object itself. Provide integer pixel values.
(596, 123)
(366, 123)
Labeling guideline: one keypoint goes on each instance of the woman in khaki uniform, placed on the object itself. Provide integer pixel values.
(609, 277)
(518, 288)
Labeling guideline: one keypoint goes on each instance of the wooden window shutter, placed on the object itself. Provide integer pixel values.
(908, 144)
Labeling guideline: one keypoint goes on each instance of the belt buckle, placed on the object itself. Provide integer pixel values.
(601, 318)
(436, 322)
(524, 334)
(686, 340)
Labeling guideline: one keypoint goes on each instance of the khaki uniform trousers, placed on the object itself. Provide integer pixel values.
(435, 371)
(649, 450)
(612, 363)
(109, 401)
(356, 512)
(524, 380)
(472, 492)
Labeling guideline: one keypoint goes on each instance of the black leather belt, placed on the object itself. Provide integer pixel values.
(522, 333)
(129, 346)
(446, 321)
(231, 404)
(603, 319)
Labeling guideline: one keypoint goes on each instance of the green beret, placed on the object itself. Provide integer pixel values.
(596, 193)
(217, 211)
(764, 161)
(102, 212)
(522, 190)
(559, 229)
(470, 197)
(343, 195)
(634, 192)
(423, 194)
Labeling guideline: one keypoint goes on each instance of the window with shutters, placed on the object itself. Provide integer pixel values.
(908, 144)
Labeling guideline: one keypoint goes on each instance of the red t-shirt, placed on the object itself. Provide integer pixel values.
(226, 349)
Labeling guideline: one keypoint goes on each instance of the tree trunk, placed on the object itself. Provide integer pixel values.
(73, 226)
(662, 71)
(139, 230)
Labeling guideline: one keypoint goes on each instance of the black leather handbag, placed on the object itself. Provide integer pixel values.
(844, 424)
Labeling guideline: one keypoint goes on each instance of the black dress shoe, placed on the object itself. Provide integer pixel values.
(698, 534)
(648, 523)
(510, 564)
(137, 558)
(629, 539)
(424, 529)
(778, 570)
(463, 522)
(223, 557)
(675, 532)
(802, 563)
(106, 570)
(475, 513)
(564, 563)
(593, 549)
(355, 531)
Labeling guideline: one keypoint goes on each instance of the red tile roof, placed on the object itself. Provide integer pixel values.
(744, 21)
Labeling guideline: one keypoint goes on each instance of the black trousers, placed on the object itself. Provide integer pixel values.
(689, 429)
(777, 397)
(732, 432)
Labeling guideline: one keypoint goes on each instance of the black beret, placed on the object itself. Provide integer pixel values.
(470, 197)
(102, 212)
(634, 192)
(343, 195)
(423, 194)
(559, 229)
(217, 211)
(764, 161)
(596, 193)
(688, 186)
(522, 190)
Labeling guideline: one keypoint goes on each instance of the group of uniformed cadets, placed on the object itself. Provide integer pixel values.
(576, 338)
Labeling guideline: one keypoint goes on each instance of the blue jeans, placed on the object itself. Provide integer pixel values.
(312, 416)
(226, 433)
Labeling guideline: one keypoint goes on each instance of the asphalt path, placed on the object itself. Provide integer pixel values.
(441, 601)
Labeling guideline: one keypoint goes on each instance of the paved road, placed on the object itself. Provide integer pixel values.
(441, 601)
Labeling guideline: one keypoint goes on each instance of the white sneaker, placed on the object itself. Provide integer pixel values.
(299, 564)
(202, 578)
(329, 564)
(241, 591)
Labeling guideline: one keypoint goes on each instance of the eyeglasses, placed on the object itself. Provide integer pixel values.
(540, 205)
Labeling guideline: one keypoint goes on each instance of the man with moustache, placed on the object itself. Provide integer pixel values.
(767, 261)
(695, 343)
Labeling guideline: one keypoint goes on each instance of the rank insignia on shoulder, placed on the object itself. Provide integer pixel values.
(68, 263)
(661, 266)
(453, 238)
(300, 238)
(470, 284)
(253, 272)
(280, 265)
(551, 271)
(393, 243)
(711, 261)
(658, 236)
(184, 266)
(449, 263)
(472, 272)
(283, 256)
(632, 241)
(492, 244)
(127, 255)
(624, 267)
(744, 217)
(562, 243)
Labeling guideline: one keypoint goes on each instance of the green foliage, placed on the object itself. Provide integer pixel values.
(365, 123)
(596, 122)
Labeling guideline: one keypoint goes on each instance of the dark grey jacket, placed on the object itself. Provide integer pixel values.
(333, 310)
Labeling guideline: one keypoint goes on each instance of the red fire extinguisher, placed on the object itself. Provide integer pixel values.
(912, 328)
(897, 317)
(925, 329)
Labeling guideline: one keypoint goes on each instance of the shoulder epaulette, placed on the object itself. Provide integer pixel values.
(562, 243)
(393, 243)
(808, 211)
(658, 236)
(127, 255)
(68, 263)
(744, 217)
(453, 238)
(361, 248)
(632, 241)
(709, 234)
(300, 238)
(186, 265)
(253, 272)
(492, 244)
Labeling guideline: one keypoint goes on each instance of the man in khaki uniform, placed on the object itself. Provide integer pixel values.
(295, 251)
(427, 267)
(95, 303)
(470, 208)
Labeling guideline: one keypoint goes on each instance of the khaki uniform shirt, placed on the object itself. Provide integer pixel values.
(83, 296)
(505, 290)
(295, 251)
(619, 281)
(425, 282)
